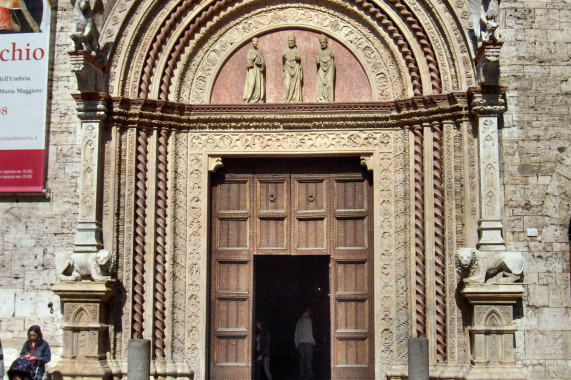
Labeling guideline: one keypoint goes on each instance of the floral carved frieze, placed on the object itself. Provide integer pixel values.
(326, 140)
(379, 58)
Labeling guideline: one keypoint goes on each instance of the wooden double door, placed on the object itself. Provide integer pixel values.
(310, 206)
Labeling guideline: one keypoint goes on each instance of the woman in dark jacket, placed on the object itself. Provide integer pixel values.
(37, 351)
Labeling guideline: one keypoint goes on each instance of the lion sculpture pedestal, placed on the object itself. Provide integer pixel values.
(85, 333)
(492, 331)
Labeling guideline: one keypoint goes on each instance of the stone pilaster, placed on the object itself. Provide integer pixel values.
(492, 330)
(85, 332)
(91, 110)
(488, 104)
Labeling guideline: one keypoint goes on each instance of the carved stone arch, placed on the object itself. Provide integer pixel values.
(80, 316)
(493, 318)
(375, 52)
(147, 50)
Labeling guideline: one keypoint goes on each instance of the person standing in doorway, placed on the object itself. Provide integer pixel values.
(262, 350)
(304, 343)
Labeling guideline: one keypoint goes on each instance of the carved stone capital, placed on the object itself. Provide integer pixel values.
(488, 63)
(488, 103)
(88, 71)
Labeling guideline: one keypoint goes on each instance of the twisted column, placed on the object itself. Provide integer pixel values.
(399, 40)
(439, 250)
(420, 258)
(160, 250)
(160, 41)
(140, 226)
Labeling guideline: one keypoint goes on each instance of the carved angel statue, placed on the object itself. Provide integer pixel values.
(83, 266)
(255, 88)
(84, 32)
(489, 267)
(489, 20)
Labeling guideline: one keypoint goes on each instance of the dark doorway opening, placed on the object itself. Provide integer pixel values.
(284, 286)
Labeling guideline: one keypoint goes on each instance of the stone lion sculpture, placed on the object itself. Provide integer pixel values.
(491, 267)
(81, 266)
(85, 35)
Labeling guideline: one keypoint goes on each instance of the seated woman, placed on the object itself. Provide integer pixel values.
(37, 351)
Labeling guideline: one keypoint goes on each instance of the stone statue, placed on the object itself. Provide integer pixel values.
(292, 74)
(255, 88)
(489, 267)
(325, 73)
(84, 35)
(489, 20)
(81, 266)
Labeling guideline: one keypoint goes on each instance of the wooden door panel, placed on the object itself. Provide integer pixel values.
(311, 233)
(233, 196)
(232, 233)
(295, 207)
(310, 195)
(272, 213)
(231, 277)
(310, 213)
(352, 277)
(351, 233)
(350, 195)
(351, 283)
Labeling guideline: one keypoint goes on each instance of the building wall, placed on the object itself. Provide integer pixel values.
(33, 229)
(536, 176)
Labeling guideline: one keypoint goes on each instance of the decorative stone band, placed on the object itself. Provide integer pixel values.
(395, 114)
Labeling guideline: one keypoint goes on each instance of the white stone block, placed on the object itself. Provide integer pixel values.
(35, 303)
(7, 303)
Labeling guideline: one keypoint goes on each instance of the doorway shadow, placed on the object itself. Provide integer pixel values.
(284, 286)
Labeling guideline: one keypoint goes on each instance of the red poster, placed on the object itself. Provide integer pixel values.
(24, 48)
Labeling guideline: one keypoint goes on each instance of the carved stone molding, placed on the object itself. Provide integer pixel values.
(204, 135)
(385, 69)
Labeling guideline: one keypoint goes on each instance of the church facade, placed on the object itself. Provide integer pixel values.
(414, 154)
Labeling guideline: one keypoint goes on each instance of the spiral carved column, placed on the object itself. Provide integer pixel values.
(140, 227)
(159, 43)
(160, 250)
(198, 23)
(419, 248)
(439, 250)
(401, 42)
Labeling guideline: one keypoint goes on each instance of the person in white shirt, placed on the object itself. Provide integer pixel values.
(304, 343)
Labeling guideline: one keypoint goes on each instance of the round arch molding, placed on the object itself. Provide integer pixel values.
(172, 50)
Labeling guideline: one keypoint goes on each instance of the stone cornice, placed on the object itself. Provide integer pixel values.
(154, 113)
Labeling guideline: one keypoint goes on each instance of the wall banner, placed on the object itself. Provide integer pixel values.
(24, 59)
